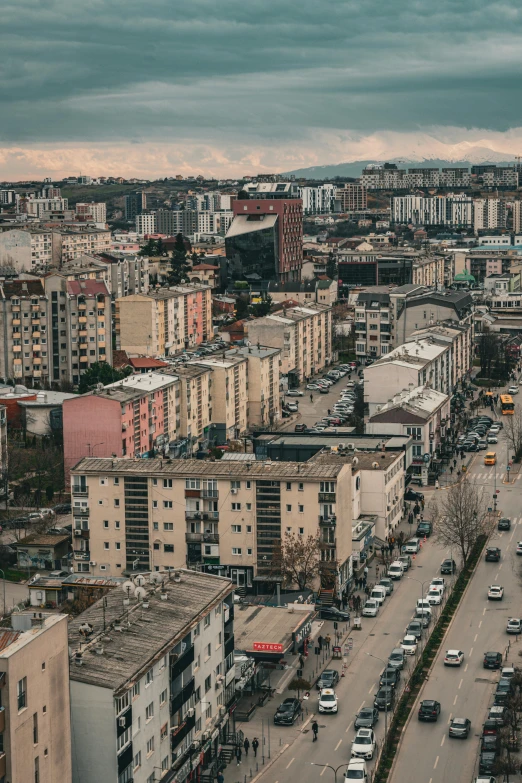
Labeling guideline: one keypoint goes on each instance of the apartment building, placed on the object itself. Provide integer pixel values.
(172, 222)
(351, 198)
(227, 514)
(25, 355)
(373, 323)
(422, 413)
(127, 274)
(459, 337)
(323, 291)
(152, 680)
(39, 207)
(303, 334)
(214, 222)
(451, 210)
(79, 324)
(165, 321)
(229, 396)
(264, 406)
(95, 211)
(318, 200)
(488, 213)
(35, 725)
(429, 271)
(389, 177)
(26, 249)
(69, 244)
(146, 223)
(135, 204)
(195, 407)
(136, 417)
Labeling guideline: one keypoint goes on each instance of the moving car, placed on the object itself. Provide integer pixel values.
(390, 676)
(356, 770)
(519, 548)
(434, 595)
(424, 616)
(492, 554)
(504, 524)
(424, 529)
(492, 660)
(295, 393)
(409, 645)
(370, 609)
(438, 581)
(328, 679)
(513, 390)
(429, 710)
(514, 625)
(288, 712)
(411, 494)
(384, 698)
(490, 458)
(460, 727)
(492, 439)
(367, 717)
(363, 745)
(328, 701)
(396, 659)
(495, 593)
(300, 428)
(414, 628)
(453, 658)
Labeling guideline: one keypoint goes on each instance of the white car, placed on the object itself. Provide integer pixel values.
(453, 657)
(395, 570)
(495, 593)
(423, 603)
(328, 700)
(434, 596)
(513, 390)
(492, 439)
(292, 407)
(295, 393)
(409, 645)
(350, 384)
(356, 770)
(370, 609)
(313, 386)
(519, 548)
(439, 581)
(363, 746)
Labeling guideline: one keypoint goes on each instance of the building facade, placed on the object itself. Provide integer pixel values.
(229, 388)
(264, 404)
(27, 249)
(69, 244)
(351, 198)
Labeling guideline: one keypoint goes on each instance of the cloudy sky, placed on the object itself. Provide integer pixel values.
(243, 86)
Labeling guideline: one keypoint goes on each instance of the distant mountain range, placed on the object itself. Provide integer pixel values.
(474, 156)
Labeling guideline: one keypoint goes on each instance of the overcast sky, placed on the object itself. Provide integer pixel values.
(240, 86)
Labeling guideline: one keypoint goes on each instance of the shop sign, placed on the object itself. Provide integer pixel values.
(267, 647)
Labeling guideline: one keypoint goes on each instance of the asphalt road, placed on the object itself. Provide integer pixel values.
(427, 754)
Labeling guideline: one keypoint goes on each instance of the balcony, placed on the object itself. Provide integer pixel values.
(2, 720)
(80, 511)
(229, 646)
(179, 732)
(193, 515)
(209, 493)
(326, 497)
(177, 701)
(179, 666)
(82, 555)
(80, 492)
(202, 538)
(327, 521)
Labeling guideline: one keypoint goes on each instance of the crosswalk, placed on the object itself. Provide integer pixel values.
(488, 475)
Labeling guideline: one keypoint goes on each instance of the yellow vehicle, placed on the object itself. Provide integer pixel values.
(490, 458)
(507, 405)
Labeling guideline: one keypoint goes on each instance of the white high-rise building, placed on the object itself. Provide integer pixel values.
(318, 200)
(488, 213)
(146, 223)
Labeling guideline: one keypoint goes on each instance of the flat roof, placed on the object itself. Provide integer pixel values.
(242, 225)
(366, 442)
(271, 624)
(151, 381)
(365, 460)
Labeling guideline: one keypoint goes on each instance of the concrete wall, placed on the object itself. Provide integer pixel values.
(382, 381)
(90, 420)
(93, 734)
(136, 332)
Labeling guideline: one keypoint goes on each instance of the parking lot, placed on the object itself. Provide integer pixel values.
(311, 411)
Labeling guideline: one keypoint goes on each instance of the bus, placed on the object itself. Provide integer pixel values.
(507, 405)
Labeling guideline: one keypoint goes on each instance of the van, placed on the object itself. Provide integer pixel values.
(412, 546)
(356, 770)
(395, 570)
(490, 458)
(423, 603)
(378, 594)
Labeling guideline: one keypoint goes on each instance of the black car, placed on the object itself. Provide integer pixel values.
(384, 698)
(468, 446)
(366, 718)
(487, 761)
(328, 679)
(460, 727)
(414, 629)
(424, 529)
(503, 691)
(492, 660)
(62, 508)
(288, 712)
(390, 676)
(504, 524)
(490, 742)
(412, 495)
(448, 566)
(300, 428)
(429, 710)
(332, 613)
(492, 554)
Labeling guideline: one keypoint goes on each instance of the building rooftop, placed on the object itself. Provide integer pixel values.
(230, 360)
(44, 539)
(114, 658)
(150, 382)
(145, 362)
(365, 461)
(418, 352)
(86, 288)
(269, 624)
(245, 224)
(363, 442)
(205, 468)
(22, 288)
(260, 352)
(421, 401)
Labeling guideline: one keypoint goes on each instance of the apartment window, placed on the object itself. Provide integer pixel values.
(191, 483)
(116, 502)
(149, 677)
(300, 508)
(105, 523)
(117, 524)
(167, 504)
(137, 760)
(249, 551)
(249, 506)
(300, 486)
(105, 544)
(151, 778)
(249, 528)
(206, 621)
(301, 531)
(37, 770)
(156, 547)
(155, 525)
(164, 732)
(235, 485)
(116, 482)
(288, 507)
(197, 727)
(208, 683)
(288, 485)
(118, 545)
(196, 631)
(124, 739)
(167, 483)
(248, 484)
(154, 482)
(136, 690)
(35, 728)
(165, 764)
(236, 550)
(236, 528)
(154, 504)
(149, 711)
(236, 506)
(21, 691)
(163, 697)
(168, 547)
(168, 526)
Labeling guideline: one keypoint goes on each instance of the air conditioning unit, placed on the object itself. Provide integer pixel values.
(92, 563)
(190, 712)
(233, 491)
(222, 710)
(77, 533)
(196, 744)
(205, 736)
(220, 678)
(122, 722)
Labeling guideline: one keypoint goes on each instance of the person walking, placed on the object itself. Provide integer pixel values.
(220, 778)
(451, 470)
(246, 745)
(423, 504)
(327, 640)
(365, 572)
(255, 745)
(320, 642)
(311, 398)
(376, 573)
(301, 662)
(239, 753)
(315, 730)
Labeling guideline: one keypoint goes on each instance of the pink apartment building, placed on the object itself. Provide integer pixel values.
(129, 418)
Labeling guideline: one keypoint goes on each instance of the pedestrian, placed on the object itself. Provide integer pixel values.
(315, 730)
(451, 470)
(246, 745)
(329, 411)
(454, 463)
(458, 474)
(220, 778)
(238, 755)
(390, 548)
(255, 745)
(422, 504)
(364, 585)
(376, 573)
(327, 640)
(301, 666)
(311, 398)
(320, 642)
(365, 572)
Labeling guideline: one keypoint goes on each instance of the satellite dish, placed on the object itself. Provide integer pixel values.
(128, 587)
(156, 578)
(140, 580)
(140, 593)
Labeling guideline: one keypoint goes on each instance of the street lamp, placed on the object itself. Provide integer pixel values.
(334, 769)
(385, 701)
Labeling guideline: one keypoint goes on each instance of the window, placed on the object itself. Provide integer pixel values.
(301, 531)
(164, 731)
(192, 483)
(168, 547)
(163, 697)
(248, 484)
(35, 728)
(151, 778)
(155, 525)
(135, 690)
(118, 545)
(235, 485)
(137, 760)
(154, 504)
(236, 550)
(116, 481)
(124, 739)
(236, 528)
(168, 526)
(196, 631)
(122, 703)
(149, 711)
(249, 506)
(300, 486)
(249, 528)
(288, 529)
(165, 764)
(167, 504)
(149, 677)
(236, 506)
(167, 483)
(105, 523)
(300, 508)
(43, 666)
(106, 545)
(249, 551)
(208, 683)
(288, 507)
(21, 691)
(288, 485)
(154, 482)
(206, 621)
(37, 769)
(156, 547)
(197, 727)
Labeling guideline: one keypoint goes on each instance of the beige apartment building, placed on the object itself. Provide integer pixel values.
(263, 365)
(195, 404)
(303, 334)
(24, 353)
(229, 396)
(223, 516)
(428, 271)
(165, 321)
(35, 722)
(26, 249)
(69, 244)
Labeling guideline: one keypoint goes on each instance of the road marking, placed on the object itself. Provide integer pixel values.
(371, 689)
(470, 652)
(480, 623)
(340, 741)
(466, 667)
(476, 637)
(321, 773)
(450, 717)
(436, 762)
(362, 705)
(291, 762)
(348, 727)
(460, 684)
(455, 700)
(496, 576)
(500, 567)
(443, 739)
(483, 613)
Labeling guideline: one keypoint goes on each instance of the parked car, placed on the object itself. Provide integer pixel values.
(300, 428)
(411, 547)
(503, 690)
(395, 570)
(514, 626)
(429, 710)
(434, 595)
(405, 560)
(390, 676)
(448, 566)
(396, 658)
(492, 660)
(370, 609)
(332, 613)
(387, 584)
(424, 529)
(295, 393)
(356, 770)
(414, 628)
(413, 495)
(288, 712)
(409, 644)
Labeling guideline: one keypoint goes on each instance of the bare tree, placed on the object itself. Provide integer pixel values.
(461, 516)
(513, 431)
(297, 560)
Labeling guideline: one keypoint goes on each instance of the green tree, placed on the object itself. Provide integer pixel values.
(262, 308)
(241, 307)
(180, 268)
(331, 267)
(101, 372)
